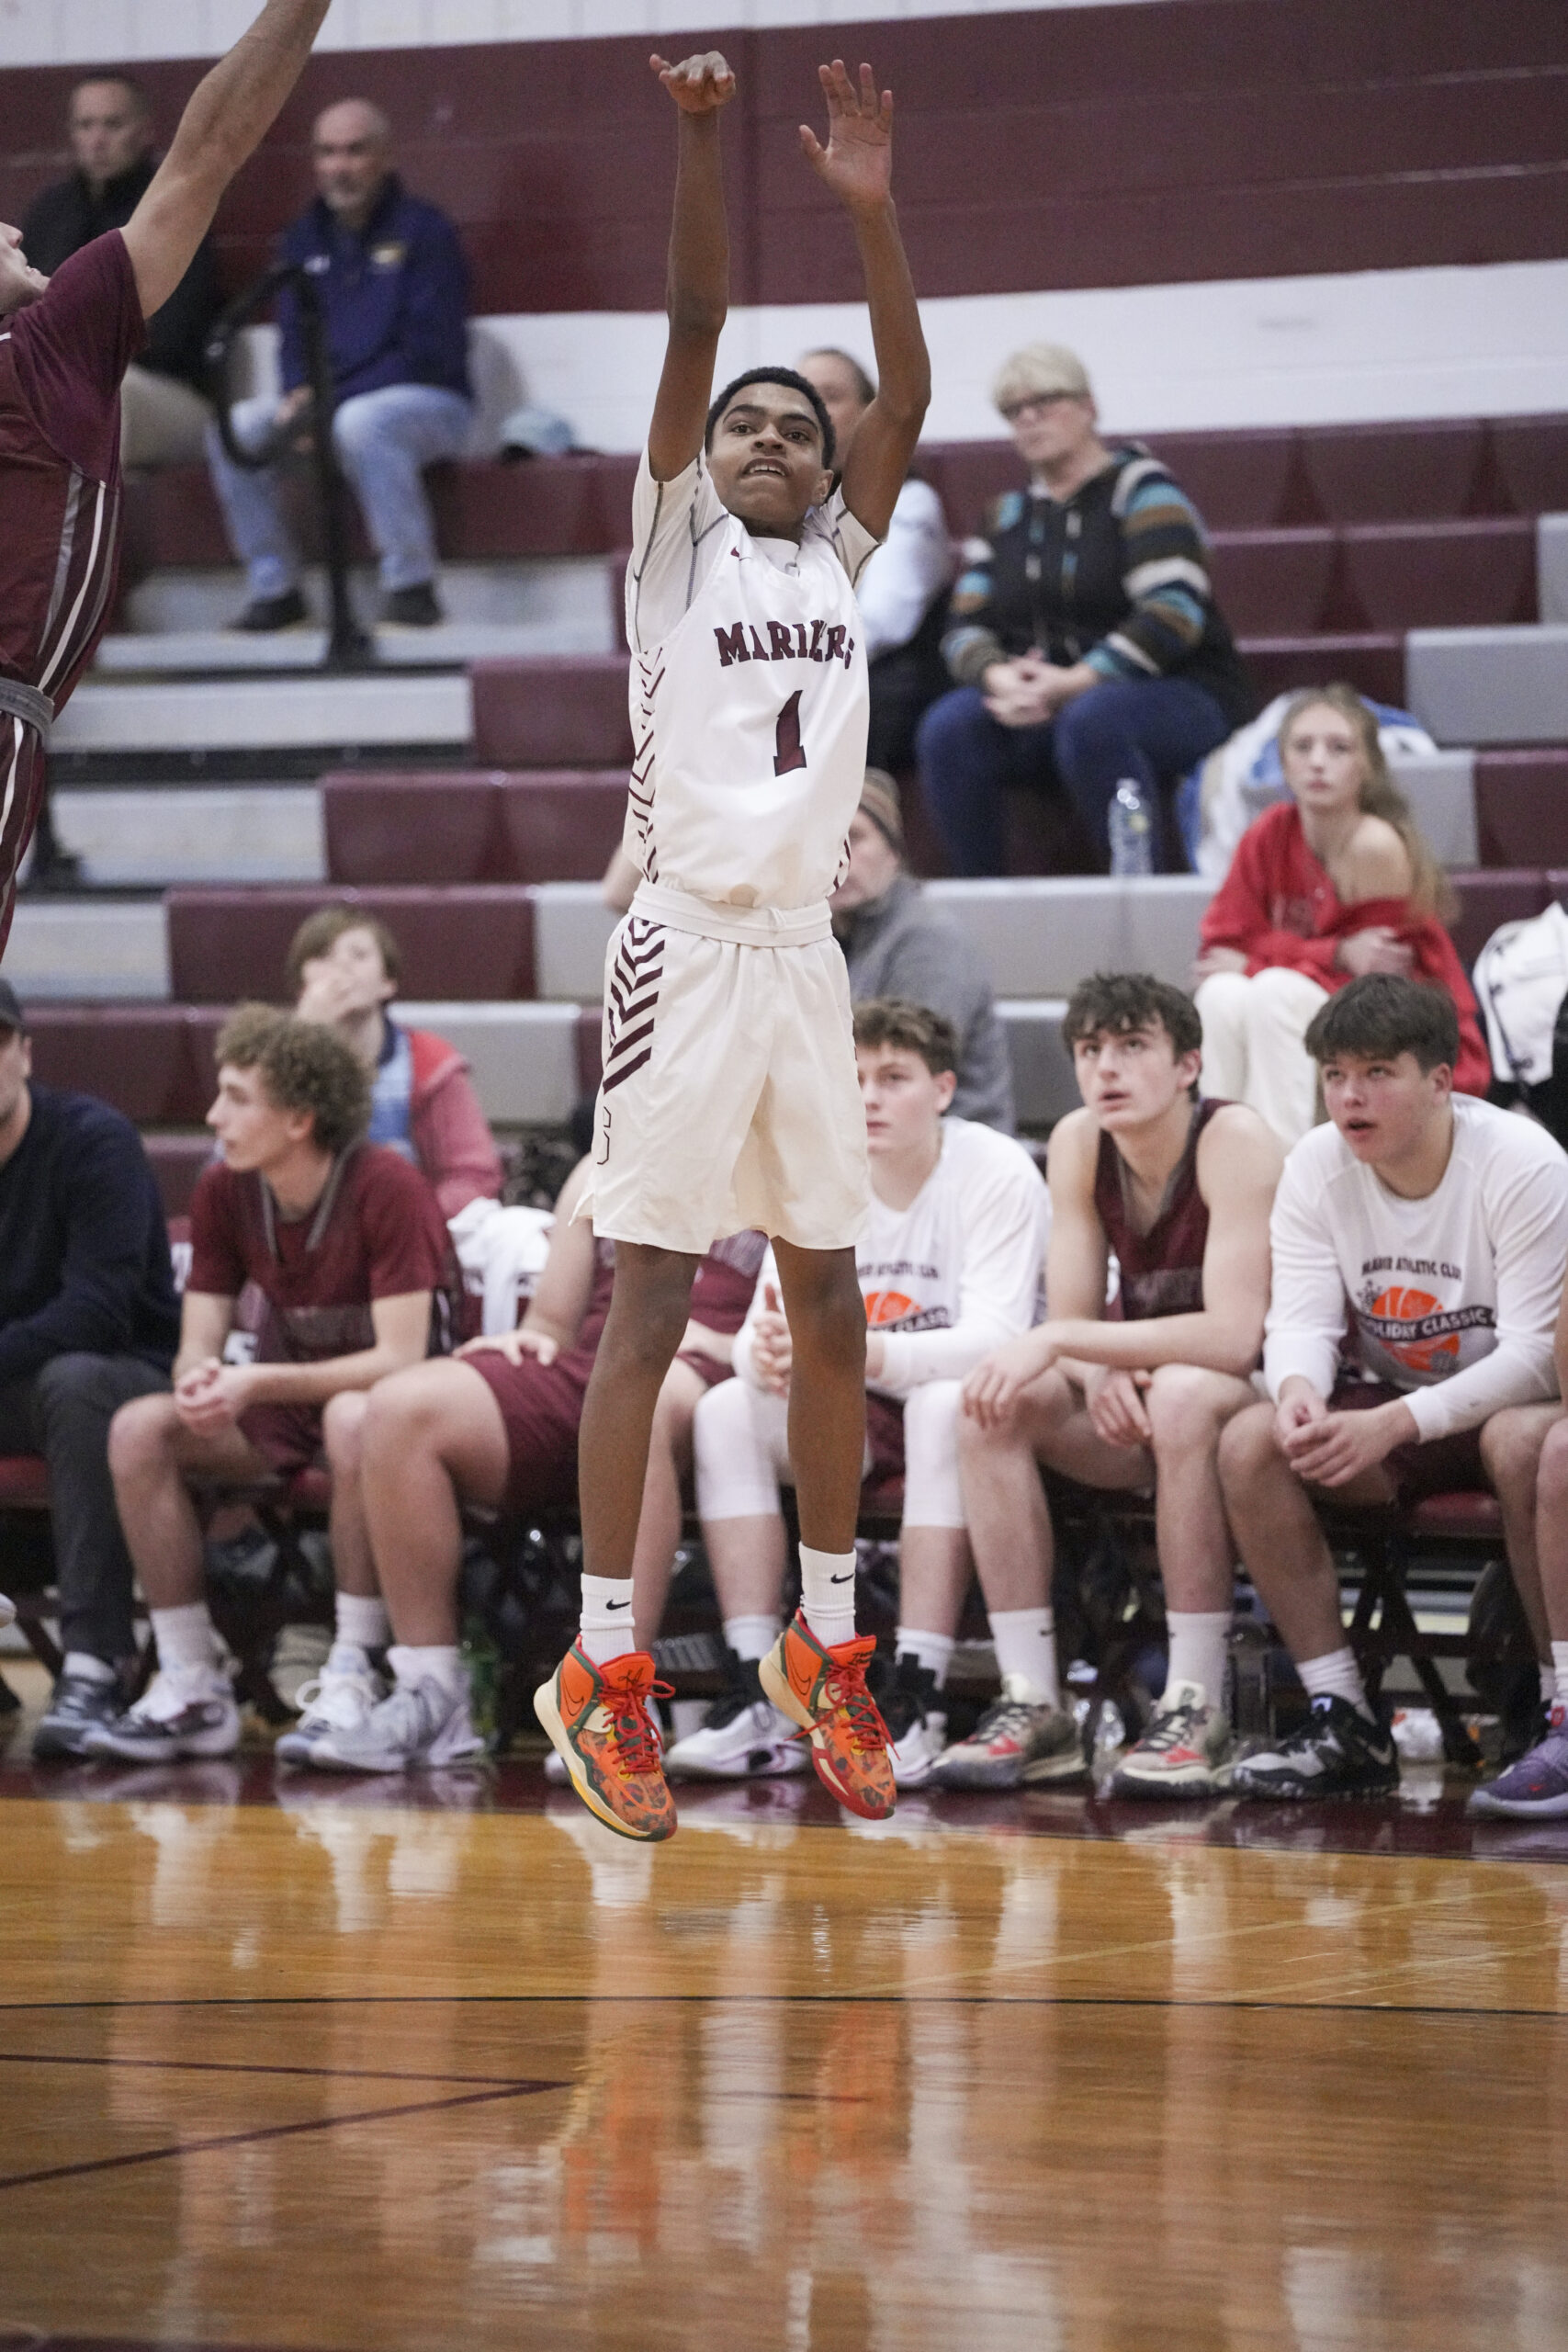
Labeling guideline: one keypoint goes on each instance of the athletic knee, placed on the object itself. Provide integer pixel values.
(342, 1431)
(1551, 1478)
(1184, 1410)
(1512, 1443)
(1247, 1449)
(143, 1436)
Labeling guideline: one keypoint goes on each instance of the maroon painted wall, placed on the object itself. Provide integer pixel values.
(1094, 146)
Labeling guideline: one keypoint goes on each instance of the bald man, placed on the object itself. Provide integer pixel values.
(394, 287)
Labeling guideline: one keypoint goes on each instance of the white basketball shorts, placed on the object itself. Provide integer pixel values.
(730, 1098)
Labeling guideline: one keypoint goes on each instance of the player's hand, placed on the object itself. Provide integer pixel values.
(857, 162)
(1115, 1403)
(211, 1397)
(1299, 1411)
(521, 1346)
(993, 1388)
(699, 85)
(772, 1352)
(1337, 1447)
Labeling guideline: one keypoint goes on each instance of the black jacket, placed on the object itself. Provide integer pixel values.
(84, 1247)
(68, 216)
(1116, 575)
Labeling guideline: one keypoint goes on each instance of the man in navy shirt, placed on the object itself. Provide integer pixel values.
(394, 290)
(88, 1319)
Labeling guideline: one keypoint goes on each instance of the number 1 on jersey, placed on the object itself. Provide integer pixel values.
(789, 751)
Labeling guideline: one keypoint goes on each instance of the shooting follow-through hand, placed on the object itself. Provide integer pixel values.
(699, 85)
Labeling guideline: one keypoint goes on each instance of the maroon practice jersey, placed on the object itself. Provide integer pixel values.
(1162, 1269)
(377, 1232)
(62, 361)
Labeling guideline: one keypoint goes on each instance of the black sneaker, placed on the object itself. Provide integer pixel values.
(1338, 1753)
(75, 1704)
(263, 615)
(916, 1725)
(742, 1736)
(412, 607)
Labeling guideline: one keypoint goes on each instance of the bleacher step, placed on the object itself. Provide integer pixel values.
(1490, 686)
(213, 717)
(450, 645)
(148, 838)
(76, 950)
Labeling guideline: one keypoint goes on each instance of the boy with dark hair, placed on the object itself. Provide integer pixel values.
(1433, 1229)
(344, 968)
(1178, 1188)
(348, 1248)
(729, 1097)
(949, 1264)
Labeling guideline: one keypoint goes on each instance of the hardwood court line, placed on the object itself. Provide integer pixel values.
(274, 2131)
(242, 2066)
(820, 2000)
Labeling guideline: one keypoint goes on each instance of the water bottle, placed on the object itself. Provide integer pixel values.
(1132, 830)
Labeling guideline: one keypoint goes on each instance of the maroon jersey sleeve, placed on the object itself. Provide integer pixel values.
(218, 1267)
(73, 345)
(406, 1244)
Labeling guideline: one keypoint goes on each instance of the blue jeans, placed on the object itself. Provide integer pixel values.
(1149, 730)
(384, 440)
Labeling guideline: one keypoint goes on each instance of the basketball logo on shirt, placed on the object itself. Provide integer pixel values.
(1405, 1328)
(884, 1306)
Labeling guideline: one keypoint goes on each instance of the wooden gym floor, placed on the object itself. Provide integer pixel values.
(312, 2066)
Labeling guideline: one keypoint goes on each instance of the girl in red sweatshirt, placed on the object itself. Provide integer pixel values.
(1334, 882)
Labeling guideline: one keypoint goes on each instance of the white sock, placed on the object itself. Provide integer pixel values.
(1549, 1680)
(827, 1595)
(1198, 1638)
(86, 1667)
(1026, 1652)
(439, 1663)
(933, 1650)
(751, 1637)
(362, 1621)
(187, 1637)
(1560, 1664)
(1336, 1675)
(606, 1630)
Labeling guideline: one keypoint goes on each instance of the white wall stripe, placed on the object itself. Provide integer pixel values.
(72, 32)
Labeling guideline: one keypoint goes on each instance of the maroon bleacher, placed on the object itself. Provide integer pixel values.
(470, 941)
(1521, 805)
(1488, 897)
(545, 825)
(151, 1061)
(569, 712)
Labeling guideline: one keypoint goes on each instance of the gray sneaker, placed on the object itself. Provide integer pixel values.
(336, 1700)
(1536, 1788)
(185, 1710)
(75, 1704)
(418, 1724)
(1018, 1742)
(1186, 1751)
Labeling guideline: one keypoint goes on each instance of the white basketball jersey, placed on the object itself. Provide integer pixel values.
(748, 696)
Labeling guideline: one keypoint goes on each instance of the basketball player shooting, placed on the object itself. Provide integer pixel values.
(730, 1097)
(65, 344)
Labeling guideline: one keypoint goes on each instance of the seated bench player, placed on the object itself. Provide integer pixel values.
(1535, 1788)
(496, 1426)
(949, 1265)
(347, 1245)
(1177, 1188)
(1434, 1229)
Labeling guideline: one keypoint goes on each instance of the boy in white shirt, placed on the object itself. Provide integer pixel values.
(728, 1096)
(1435, 1229)
(949, 1267)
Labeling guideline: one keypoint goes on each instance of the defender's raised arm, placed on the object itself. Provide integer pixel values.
(857, 164)
(697, 298)
(229, 113)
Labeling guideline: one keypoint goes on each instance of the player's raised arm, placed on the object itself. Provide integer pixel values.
(229, 113)
(857, 164)
(697, 298)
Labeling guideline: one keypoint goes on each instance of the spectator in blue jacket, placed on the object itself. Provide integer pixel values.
(88, 1319)
(394, 289)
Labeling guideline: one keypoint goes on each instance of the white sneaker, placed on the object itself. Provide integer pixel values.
(338, 1698)
(185, 1710)
(744, 1737)
(1186, 1751)
(419, 1722)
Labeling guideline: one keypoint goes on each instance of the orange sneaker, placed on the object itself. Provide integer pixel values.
(597, 1716)
(824, 1691)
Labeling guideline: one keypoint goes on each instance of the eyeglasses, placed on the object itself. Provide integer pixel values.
(1013, 410)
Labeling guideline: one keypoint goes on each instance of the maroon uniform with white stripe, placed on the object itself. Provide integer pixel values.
(61, 359)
